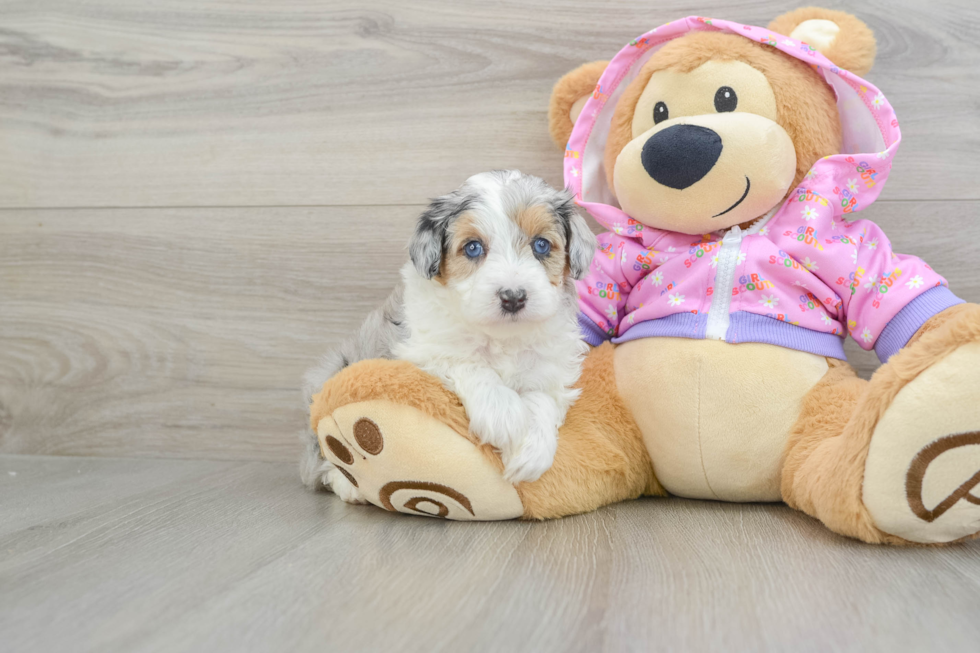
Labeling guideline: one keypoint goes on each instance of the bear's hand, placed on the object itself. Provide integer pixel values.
(953, 314)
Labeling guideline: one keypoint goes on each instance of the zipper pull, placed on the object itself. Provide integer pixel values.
(734, 235)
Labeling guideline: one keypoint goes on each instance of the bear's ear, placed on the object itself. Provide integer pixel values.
(569, 96)
(839, 36)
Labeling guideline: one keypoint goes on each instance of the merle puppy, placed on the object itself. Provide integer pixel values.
(488, 305)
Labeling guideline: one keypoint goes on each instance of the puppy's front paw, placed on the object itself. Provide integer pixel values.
(534, 453)
(532, 457)
(343, 488)
(497, 417)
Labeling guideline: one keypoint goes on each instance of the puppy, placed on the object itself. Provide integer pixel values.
(489, 306)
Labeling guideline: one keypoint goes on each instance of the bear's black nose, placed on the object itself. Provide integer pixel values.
(681, 155)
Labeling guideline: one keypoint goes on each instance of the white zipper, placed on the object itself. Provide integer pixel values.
(718, 314)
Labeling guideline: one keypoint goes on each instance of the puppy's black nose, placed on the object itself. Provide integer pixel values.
(681, 155)
(512, 300)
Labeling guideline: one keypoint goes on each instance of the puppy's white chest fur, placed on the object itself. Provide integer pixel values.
(515, 380)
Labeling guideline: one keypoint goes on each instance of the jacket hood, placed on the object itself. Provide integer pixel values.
(870, 129)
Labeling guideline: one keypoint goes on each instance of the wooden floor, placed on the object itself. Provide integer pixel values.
(105, 555)
(197, 199)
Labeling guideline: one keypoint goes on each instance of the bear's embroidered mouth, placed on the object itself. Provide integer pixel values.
(748, 184)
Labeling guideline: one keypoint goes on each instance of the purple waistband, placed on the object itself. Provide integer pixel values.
(744, 327)
(678, 325)
(750, 327)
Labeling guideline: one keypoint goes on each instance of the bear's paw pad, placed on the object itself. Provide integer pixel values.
(922, 475)
(403, 460)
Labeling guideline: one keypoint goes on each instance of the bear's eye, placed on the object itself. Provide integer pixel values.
(660, 113)
(725, 99)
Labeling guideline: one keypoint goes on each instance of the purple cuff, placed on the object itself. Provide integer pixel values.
(910, 319)
(591, 333)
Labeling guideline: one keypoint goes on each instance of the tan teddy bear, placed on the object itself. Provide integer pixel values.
(727, 162)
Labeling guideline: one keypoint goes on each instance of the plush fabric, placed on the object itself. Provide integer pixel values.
(807, 263)
(921, 473)
(402, 459)
(854, 46)
(569, 91)
(826, 454)
(601, 458)
(702, 429)
(813, 125)
(762, 407)
(396, 381)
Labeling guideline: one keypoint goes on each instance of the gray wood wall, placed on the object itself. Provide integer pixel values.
(197, 199)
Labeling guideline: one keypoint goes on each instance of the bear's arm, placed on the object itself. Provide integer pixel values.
(884, 297)
(618, 265)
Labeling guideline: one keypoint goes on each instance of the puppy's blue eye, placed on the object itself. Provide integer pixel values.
(473, 249)
(541, 247)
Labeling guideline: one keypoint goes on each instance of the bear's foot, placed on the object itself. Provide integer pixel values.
(401, 459)
(922, 473)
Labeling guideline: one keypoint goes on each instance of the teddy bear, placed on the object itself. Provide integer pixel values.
(727, 164)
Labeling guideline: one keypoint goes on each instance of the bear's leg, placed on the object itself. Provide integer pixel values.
(601, 458)
(402, 440)
(903, 463)
(823, 465)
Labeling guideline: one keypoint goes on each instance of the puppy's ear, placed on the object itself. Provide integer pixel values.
(428, 243)
(839, 36)
(580, 242)
(569, 96)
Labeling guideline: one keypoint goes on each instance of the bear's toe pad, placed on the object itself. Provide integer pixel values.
(400, 459)
(922, 474)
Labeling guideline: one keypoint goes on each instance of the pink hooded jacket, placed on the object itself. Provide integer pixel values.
(802, 277)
